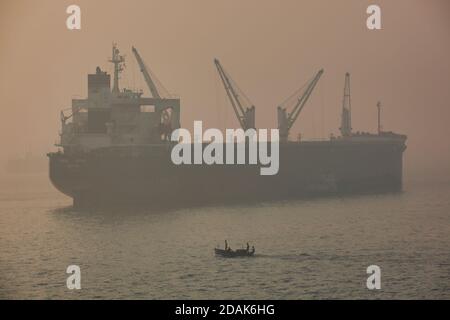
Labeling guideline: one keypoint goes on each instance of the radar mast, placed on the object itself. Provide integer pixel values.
(119, 63)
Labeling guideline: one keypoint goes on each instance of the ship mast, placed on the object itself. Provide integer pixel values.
(119, 63)
(346, 120)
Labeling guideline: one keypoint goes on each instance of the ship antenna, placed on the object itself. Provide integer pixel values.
(379, 116)
(119, 62)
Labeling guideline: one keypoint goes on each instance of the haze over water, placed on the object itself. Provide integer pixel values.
(318, 248)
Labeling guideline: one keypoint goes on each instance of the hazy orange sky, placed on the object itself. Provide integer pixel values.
(270, 48)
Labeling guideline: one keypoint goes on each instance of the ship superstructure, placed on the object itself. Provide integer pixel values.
(114, 117)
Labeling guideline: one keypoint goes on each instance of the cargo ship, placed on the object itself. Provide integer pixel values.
(115, 149)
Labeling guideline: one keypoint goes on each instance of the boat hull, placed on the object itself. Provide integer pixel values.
(146, 175)
(233, 253)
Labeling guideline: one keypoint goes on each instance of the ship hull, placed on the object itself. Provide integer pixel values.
(146, 176)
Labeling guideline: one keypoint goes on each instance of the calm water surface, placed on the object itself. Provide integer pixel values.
(308, 249)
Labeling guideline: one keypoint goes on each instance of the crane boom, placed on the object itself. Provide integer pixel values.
(246, 117)
(148, 79)
(287, 120)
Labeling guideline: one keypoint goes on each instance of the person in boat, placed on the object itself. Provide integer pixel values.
(227, 248)
(248, 247)
(253, 250)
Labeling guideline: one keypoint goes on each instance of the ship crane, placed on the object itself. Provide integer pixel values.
(166, 116)
(286, 120)
(148, 79)
(246, 117)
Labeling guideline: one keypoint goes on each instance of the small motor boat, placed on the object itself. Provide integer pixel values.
(234, 253)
